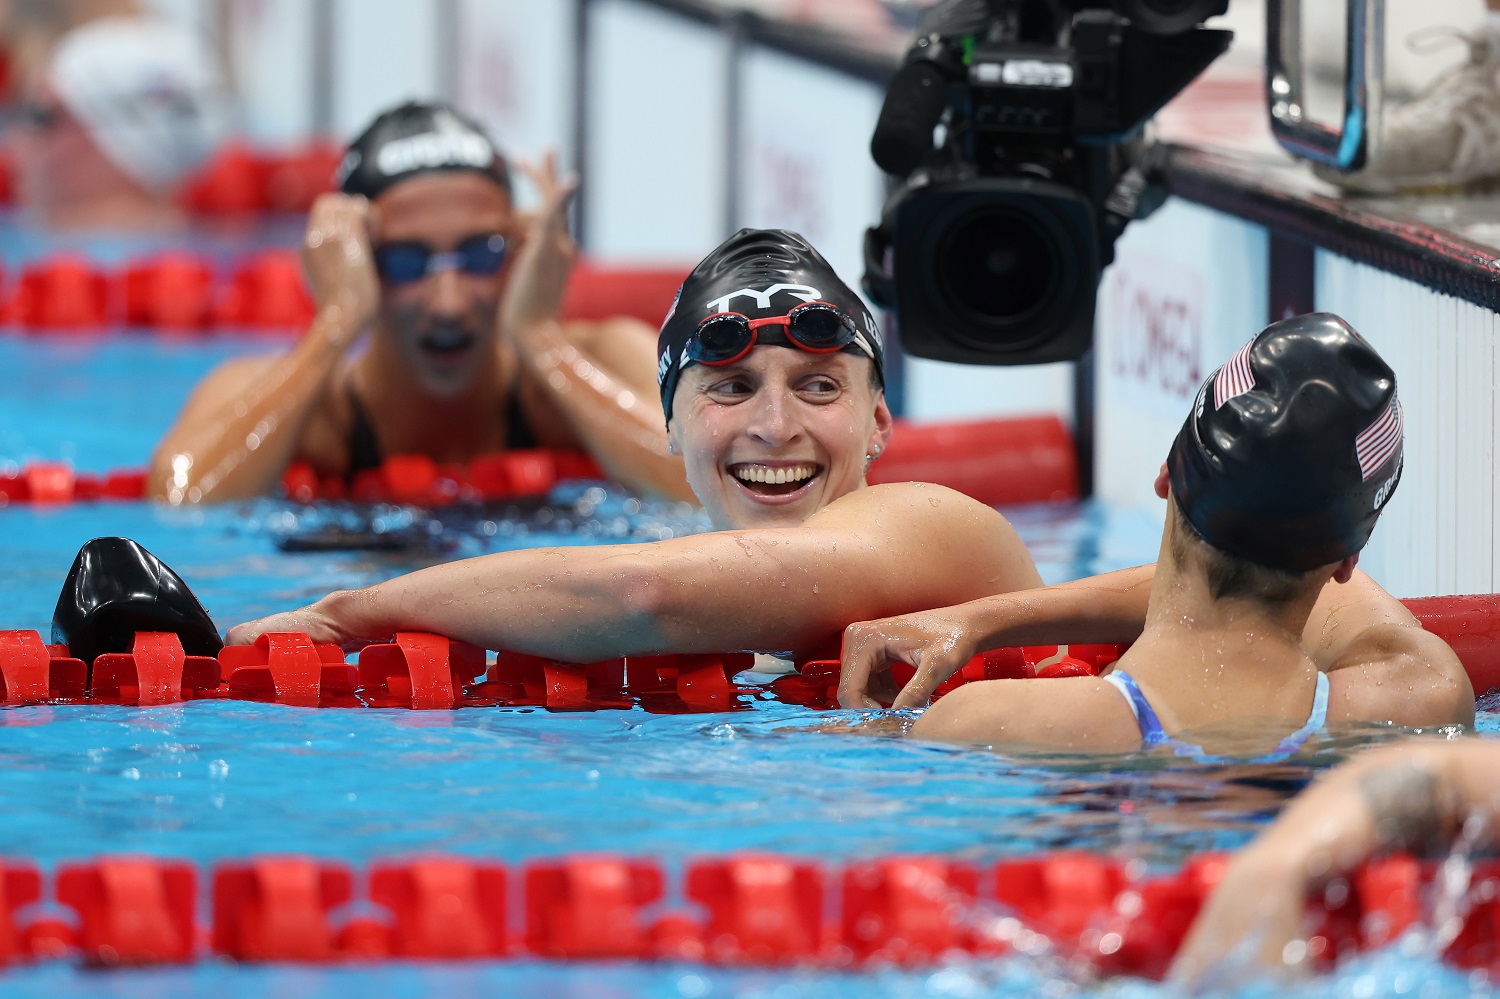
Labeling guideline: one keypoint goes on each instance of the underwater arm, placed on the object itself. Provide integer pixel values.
(937, 643)
(1414, 796)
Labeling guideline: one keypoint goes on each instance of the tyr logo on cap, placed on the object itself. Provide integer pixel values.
(806, 293)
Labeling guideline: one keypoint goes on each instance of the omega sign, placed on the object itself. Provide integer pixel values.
(1154, 310)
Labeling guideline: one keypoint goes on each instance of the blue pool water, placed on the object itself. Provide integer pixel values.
(215, 780)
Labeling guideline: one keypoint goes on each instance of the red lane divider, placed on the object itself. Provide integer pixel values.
(155, 671)
(740, 909)
(414, 479)
(180, 293)
(425, 672)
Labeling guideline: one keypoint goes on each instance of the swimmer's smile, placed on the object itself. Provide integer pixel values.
(775, 481)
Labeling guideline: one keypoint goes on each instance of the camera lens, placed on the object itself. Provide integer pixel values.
(997, 269)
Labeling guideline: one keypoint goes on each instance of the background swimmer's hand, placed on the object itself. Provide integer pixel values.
(338, 258)
(539, 277)
(935, 643)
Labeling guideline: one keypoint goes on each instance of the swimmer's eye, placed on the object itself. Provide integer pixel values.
(820, 387)
(732, 389)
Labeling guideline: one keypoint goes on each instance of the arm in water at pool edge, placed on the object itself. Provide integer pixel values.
(1414, 796)
(878, 550)
(242, 425)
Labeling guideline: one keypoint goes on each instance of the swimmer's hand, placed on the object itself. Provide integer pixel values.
(534, 293)
(315, 621)
(935, 643)
(338, 257)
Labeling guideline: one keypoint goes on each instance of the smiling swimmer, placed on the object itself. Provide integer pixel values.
(770, 378)
(459, 295)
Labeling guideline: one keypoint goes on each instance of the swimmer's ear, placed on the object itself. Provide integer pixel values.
(1345, 570)
(885, 426)
(1163, 482)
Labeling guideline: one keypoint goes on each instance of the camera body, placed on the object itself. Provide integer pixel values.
(1012, 128)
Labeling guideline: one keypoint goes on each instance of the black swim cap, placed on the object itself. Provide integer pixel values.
(117, 588)
(758, 272)
(413, 139)
(1293, 447)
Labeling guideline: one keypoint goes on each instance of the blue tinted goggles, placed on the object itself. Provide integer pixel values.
(405, 262)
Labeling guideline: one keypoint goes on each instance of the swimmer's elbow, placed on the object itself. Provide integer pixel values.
(648, 596)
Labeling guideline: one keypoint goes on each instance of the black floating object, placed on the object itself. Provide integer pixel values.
(117, 588)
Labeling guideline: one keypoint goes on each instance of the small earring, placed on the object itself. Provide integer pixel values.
(671, 448)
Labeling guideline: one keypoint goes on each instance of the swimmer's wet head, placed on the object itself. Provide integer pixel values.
(116, 588)
(1290, 453)
(770, 437)
(443, 225)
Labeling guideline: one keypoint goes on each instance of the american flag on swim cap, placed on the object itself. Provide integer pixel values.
(1377, 442)
(1235, 377)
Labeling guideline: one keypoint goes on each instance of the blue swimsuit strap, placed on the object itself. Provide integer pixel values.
(1152, 733)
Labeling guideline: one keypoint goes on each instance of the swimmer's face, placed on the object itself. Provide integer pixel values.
(807, 420)
(444, 324)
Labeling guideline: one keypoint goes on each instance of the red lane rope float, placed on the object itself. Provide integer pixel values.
(734, 910)
(180, 293)
(427, 672)
(1028, 459)
(998, 461)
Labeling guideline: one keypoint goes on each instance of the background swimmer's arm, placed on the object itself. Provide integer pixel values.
(1381, 664)
(1414, 795)
(602, 376)
(241, 426)
(937, 643)
(876, 551)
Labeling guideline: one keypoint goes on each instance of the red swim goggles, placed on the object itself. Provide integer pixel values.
(726, 337)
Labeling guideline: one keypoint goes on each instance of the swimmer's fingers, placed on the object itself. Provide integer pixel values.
(932, 668)
(865, 670)
(337, 255)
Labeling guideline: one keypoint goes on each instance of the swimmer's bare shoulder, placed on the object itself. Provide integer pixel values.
(1382, 665)
(927, 526)
(1071, 713)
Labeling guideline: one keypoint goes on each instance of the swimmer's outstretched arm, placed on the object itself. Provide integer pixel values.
(879, 550)
(240, 427)
(607, 394)
(937, 643)
(1417, 795)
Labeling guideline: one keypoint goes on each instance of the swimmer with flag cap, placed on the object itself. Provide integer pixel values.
(770, 370)
(422, 258)
(1255, 609)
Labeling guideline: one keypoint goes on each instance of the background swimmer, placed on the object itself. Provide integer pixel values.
(1418, 796)
(770, 373)
(465, 354)
(1275, 482)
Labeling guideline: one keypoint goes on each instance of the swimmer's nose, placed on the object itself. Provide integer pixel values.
(773, 422)
(445, 294)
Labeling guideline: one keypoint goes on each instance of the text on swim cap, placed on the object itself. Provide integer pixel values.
(1388, 486)
(434, 149)
(763, 298)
